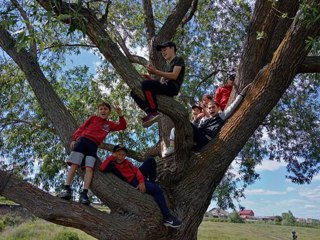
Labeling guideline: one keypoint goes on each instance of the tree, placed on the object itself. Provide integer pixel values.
(234, 217)
(288, 218)
(279, 37)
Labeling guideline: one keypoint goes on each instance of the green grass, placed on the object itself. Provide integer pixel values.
(42, 230)
(254, 231)
(39, 230)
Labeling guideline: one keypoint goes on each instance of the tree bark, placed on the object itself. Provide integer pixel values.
(188, 178)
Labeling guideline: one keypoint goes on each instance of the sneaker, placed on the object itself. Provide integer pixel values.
(66, 194)
(150, 119)
(172, 222)
(169, 151)
(84, 199)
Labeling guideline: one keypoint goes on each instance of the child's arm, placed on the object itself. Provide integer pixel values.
(105, 166)
(168, 75)
(232, 107)
(122, 121)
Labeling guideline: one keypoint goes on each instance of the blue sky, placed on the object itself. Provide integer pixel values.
(273, 194)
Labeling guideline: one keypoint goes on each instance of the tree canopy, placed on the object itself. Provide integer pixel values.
(271, 44)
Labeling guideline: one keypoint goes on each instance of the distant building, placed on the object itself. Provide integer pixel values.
(218, 213)
(246, 214)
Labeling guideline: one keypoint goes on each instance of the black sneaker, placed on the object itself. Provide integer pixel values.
(66, 194)
(172, 222)
(84, 199)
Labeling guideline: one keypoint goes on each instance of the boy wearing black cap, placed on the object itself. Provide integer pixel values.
(169, 83)
(125, 170)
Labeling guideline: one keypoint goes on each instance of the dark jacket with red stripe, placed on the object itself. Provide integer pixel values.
(125, 170)
(96, 129)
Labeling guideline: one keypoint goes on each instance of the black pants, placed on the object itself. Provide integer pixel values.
(199, 138)
(149, 171)
(150, 89)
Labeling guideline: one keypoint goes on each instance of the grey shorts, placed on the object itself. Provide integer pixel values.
(80, 159)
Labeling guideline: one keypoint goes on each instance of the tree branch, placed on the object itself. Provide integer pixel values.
(7, 121)
(170, 26)
(104, 17)
(259, 46)
(24, 15)
(68, 213)
(149, 21)
(194, 7)
(310, 65)
(62, 119)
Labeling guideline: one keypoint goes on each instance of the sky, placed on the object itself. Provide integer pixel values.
(273, 194)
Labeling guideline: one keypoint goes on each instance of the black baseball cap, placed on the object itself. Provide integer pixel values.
(166, 44)
(117, 148)
(196, 106)
(232, 77)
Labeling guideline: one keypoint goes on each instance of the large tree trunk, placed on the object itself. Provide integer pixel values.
(188, 178)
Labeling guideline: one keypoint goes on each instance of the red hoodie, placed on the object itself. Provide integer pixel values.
(126, 168)
(222, 95)
(96, 128)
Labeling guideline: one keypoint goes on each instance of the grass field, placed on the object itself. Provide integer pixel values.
(254, 231)
(42, 230)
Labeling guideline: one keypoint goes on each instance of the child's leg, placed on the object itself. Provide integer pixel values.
(72, 171)
(149, 169)
(151, 88)
(87, 178)
(141, 103)
(199, 138)
(156, 192)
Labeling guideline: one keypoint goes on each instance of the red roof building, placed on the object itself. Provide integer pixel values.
(246, 214)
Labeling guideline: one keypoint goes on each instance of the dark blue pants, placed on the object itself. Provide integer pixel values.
(150, 89)
(149, 171)
(199, 138)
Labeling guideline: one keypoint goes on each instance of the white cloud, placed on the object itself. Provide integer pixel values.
(311, 194)
(268, 165)
(262, 192)
(316, 178)
(290, 189)
(309, 206)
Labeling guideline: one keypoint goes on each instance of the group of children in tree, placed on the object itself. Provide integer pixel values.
(206, 123)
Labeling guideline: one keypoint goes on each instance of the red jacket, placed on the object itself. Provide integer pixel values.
(126, 168)
(96, 129)
(222, 95)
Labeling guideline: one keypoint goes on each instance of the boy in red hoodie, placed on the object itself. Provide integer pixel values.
(84, 145)
(142, 178)
(223, 92)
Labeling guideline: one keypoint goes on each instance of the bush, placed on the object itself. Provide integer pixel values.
(235, 218)
(67, 236)
(2, 225)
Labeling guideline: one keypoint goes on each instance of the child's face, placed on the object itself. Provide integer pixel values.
(195, 111)
(104, 112)
(167, 52)
(120, 156)
(212, 109)
(205, 101)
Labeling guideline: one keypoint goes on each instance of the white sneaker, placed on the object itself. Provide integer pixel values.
(169, 151)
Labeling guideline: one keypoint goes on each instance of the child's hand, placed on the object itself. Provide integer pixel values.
(146, 76)
(118, 110)
(72, 144)
(142, 187)
(151, 69)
